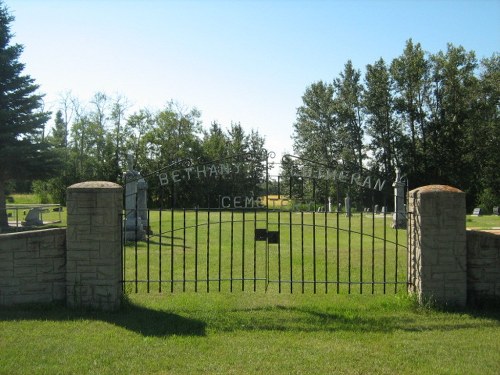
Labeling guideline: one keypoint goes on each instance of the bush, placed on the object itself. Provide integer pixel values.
(487, 200)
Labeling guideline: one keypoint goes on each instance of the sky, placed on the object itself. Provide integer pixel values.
(235, 61)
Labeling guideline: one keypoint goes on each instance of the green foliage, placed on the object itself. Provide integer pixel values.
(23, 151)
(435, 116)
(41, 190)
(487, 200)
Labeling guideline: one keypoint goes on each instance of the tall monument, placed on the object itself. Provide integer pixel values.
(399, 216)
(136, 210)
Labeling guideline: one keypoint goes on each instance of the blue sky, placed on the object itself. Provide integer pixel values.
(241, 61)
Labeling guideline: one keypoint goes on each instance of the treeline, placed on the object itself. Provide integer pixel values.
(95, 139)
(434, 116)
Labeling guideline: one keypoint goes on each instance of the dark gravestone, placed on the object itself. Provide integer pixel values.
(477, 211)
(273, 237)
(496, 211)
(260, 234)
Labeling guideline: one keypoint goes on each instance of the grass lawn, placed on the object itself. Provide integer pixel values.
(251, 333)
(259, 332)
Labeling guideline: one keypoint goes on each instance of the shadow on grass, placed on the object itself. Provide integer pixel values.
(304, 319)
(156, 322)
(138, 319)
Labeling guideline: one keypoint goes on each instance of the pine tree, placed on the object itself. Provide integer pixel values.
(23, 154)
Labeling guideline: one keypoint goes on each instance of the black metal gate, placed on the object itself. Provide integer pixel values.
(247, 223)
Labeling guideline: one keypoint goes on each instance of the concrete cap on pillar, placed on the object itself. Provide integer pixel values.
(95, 185)
(435, 189)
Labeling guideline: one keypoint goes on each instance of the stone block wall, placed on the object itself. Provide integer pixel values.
(483, 266)
(437, 245)
(33, 267)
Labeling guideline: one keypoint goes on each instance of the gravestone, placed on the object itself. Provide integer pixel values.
(376, 210)
(136, 210)
(399, 215)
(496, 211)
(477, 211)
(347, 206)
(33, 218)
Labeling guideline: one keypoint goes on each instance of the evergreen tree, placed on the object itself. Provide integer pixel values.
(23, 154)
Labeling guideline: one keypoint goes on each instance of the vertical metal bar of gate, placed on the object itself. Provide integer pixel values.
(243, 252)
(147, 252)
(136, 247)
(290, 231)
(184, 250)
(160, 230)
(232, 249)
(279, 242)
(314, 234)
(326, 236)
(348, 213)
(385, 242)
(220, 248)
(361, 252)
(396, 255)
(255, 251)
(196, 218)
(267, 224)
(373, 244)
(172, 247)
(338, 241)
(302, 247)
(208, 246)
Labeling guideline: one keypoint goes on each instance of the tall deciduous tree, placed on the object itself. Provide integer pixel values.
(349, 90)
(380, 123)
(410, 73)
(22, 120)
(452, 113)
(316, 133)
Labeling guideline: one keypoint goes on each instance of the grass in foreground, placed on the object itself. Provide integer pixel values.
(246, 333)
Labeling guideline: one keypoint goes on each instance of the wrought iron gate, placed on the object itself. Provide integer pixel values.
(250, 224)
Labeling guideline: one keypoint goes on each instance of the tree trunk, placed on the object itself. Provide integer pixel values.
(4, 224)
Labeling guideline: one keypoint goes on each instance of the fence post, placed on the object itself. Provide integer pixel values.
(93, 257)
(437, 245)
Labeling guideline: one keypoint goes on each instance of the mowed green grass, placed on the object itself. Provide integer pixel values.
(261, 332)
(316, 252)
(251, 333)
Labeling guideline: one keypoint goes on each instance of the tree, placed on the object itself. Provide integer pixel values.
(316, 133)
(381, 126)
(452, 113)
(486, 132)
(22, 151)
(410, 73)
(59, 133)
(347, 104)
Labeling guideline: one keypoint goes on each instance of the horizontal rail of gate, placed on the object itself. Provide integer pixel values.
(261, 250)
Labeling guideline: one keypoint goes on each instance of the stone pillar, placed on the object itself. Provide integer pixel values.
(94, 258)
(437, 245)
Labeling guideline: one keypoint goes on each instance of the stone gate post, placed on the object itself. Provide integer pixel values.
(437, 245)
(93, 258)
